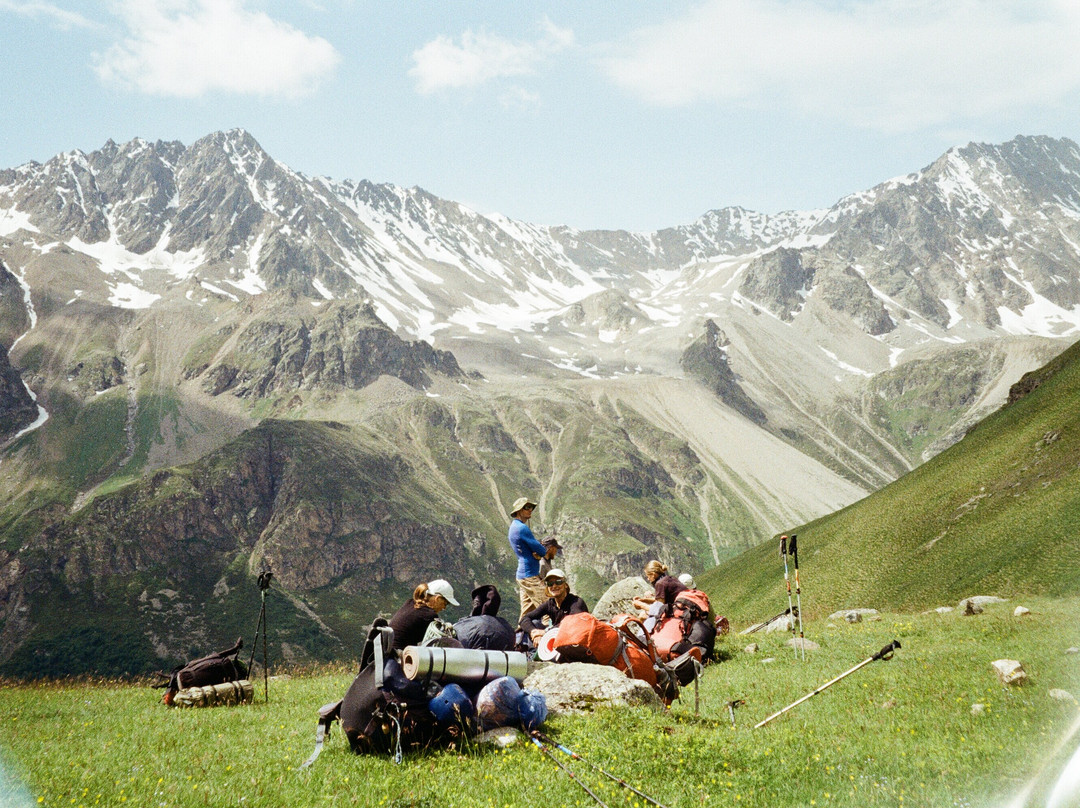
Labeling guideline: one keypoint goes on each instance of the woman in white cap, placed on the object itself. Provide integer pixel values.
(561, 602)
(412, 619)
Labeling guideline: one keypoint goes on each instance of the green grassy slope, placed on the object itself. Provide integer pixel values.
(892, 734)
(995, 514)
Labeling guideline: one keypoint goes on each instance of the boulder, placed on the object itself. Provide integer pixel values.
(979, 600)
(784, 622)
(1020, 611)
(1009, 671)
(845, 614)
(619, 597)
(579, 687)
(972, 608)
(805, 644)
(1057, 694)
(943, 609)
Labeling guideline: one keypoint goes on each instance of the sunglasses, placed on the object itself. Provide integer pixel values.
(556, 581)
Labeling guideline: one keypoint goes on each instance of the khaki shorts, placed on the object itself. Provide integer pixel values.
(533, 594)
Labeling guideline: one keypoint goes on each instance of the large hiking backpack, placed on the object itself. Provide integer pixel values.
(213, 669)
(688, 626)
(383, 710)
(583, 638)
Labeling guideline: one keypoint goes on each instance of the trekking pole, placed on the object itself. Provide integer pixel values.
(787, 583)
(759, 626)
(572, 776)
(793, 548)
(885, 653)
(575, 756)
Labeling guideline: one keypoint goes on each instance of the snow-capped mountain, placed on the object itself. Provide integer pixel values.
(213, 356)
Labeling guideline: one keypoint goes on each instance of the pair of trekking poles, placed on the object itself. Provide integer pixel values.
(544, 742)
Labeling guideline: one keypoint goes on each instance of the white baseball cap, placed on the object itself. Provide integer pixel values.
(442, 587)
(687, 580)
(555, 573)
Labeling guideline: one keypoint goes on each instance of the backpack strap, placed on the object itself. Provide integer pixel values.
(328, 714)
(384, 639)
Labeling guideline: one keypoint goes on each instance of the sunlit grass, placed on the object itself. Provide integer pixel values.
(897, 732)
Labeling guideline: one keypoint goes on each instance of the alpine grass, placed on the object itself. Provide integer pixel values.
(898, 732)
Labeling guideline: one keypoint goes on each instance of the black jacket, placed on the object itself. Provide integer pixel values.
(571, 604)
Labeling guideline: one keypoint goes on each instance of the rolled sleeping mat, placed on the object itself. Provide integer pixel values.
(462, 664)
(238, 692)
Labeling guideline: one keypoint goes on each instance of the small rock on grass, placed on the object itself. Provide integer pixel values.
(802, 642)
(1072, 650)
(752, 648)
(1020, 611)
(1009, 671)
(768, 659)
(1061, 695)
(943, 609)
(972, 608)
(978, 709)
(501, 737)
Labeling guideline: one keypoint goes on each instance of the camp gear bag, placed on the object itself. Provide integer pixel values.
(441, 634)
(213, 669)
(239, 692)
(485, 632)
(583, 638)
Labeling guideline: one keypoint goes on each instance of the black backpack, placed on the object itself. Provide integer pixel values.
(383, 711)
(214, 669)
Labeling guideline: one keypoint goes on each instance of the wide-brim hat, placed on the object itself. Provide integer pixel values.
(519, 503)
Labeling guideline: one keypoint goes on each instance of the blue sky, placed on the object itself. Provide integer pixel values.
(572, 113)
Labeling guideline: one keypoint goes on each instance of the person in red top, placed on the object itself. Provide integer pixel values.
(665, 587)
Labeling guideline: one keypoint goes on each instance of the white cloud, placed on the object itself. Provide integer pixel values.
(893, 65)
(187, 48)
(59, 16)
(442, 64)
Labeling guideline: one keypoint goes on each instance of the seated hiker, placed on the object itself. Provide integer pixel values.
(560, 603)
(410, 622)
(666, 588)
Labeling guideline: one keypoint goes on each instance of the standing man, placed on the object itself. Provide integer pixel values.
(529, 551)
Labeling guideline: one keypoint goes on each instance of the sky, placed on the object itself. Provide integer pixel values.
(632, 115)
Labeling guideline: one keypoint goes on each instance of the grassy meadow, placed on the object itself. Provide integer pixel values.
(894, 733)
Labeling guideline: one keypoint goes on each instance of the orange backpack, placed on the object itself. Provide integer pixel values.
(583, 638)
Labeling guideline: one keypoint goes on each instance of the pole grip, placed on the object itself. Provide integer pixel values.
(887, 651)
(783, 546)
(793, 549)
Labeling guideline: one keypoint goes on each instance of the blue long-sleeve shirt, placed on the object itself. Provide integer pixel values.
(525, 547)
